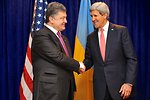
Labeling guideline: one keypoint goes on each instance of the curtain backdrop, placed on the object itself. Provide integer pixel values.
(15, 23)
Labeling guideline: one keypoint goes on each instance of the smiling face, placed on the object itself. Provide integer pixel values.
(99, 20)
(59, 20)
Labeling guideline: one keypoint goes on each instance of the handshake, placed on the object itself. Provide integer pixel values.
(82, 68)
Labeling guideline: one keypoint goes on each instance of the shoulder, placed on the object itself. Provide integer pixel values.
(117, 27)
(42, 32)
(119, 30)
(93, 33)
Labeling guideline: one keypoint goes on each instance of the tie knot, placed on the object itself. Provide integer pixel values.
(102, 30)
(59, 34)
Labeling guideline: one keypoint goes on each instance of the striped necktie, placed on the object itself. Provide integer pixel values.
(62, 43)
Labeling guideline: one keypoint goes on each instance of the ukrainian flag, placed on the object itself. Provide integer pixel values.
(84, 82)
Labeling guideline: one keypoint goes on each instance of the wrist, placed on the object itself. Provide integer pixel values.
(82, 65)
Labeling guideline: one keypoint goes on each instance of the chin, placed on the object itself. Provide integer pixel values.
(62, 29)
(96, 26)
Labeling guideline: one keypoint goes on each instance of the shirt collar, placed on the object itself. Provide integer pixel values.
(106, 26)
(51, 28)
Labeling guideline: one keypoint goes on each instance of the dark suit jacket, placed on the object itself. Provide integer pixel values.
(52, 69)
(120, 61)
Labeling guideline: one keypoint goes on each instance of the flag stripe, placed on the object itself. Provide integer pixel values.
(26, 91)
(28, 79)
(30, 41)
(29, 53)
(29, 68)
(26, 85)
(84, 27)
(22, 97)
(79, 49)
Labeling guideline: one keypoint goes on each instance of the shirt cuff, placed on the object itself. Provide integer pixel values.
(82, 65)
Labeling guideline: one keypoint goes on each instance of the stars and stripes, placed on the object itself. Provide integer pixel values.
(26, 85)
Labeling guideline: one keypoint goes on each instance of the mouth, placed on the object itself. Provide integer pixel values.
(95, 23)
(63, 26)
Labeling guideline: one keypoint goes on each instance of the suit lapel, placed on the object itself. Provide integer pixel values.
(57, 42)
(67, 45)
(60, 45)
(110, 38)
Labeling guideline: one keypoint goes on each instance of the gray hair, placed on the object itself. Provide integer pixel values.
(101, 7)
(53, 8)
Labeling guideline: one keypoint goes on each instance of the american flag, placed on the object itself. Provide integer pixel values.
(26, 85)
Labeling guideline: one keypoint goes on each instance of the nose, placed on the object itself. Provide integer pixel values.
(65, 20)
(93, 18)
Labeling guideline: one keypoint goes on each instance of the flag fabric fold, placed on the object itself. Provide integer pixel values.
(84, 27)
(26, 84)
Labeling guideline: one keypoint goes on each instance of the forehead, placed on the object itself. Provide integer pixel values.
(60, 14)
(94, 12)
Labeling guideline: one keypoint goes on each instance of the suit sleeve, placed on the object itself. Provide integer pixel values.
(131, 60)
(45, 47)
(88, 62)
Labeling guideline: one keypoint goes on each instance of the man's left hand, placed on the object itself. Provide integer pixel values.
(125, 90)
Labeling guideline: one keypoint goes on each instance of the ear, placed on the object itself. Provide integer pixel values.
(51, 19)
(105, 15)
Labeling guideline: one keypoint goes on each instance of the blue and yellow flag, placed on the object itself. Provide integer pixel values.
(84, 82)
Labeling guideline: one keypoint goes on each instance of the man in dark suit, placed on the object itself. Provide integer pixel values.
(110, 50)
(51, 57)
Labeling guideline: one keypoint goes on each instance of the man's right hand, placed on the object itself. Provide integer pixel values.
(82, 68)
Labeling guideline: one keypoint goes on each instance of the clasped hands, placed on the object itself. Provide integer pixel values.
(82, 68)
